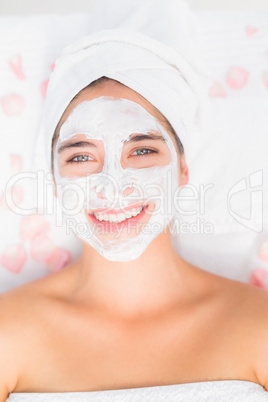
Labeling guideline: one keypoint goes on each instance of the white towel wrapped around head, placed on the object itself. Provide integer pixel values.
(156, 71)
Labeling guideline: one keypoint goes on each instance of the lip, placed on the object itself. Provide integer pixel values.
(115, 211)
(113, 227)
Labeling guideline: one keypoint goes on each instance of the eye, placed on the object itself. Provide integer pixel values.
(144, 151)
(80, 159)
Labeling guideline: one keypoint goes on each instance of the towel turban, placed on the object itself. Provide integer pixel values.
(156, 71)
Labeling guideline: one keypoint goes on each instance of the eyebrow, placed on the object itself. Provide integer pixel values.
(135, 138)
(78, 144)
(141, 137)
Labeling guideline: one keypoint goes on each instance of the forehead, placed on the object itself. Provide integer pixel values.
(116, 90)
(108, 116)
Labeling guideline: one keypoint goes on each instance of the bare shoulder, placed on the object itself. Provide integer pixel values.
(246, 315)
(256, 318)
(24, 312)
(10, 326)
(7, 374)
(246, 301)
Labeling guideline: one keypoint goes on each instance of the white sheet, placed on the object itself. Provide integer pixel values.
(207, 391)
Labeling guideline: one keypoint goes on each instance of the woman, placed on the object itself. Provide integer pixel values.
(142, 318)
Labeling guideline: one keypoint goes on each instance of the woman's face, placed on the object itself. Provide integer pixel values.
(85, 159)
(80, 155)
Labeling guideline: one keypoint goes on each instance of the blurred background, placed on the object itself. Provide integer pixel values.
(29, 7)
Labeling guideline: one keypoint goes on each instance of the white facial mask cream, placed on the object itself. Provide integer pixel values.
(113, 198)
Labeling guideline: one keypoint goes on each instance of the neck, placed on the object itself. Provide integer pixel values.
(148, 286)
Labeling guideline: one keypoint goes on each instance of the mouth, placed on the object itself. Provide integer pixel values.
(117, 216)
(111, 220)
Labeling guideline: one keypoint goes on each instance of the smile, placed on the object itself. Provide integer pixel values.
(120, 217)
(112, 220)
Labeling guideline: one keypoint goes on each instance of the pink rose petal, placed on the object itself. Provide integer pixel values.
(58, 259)
(263, 253)
(43, 88)
(216, 90)
(251, 30)
(52, 66)
(32, 226)
(15, 63)
(259, 278)
(12, 105)
(41, 247)
(16, 163)
(13, 258)
(265, 79)
(237, 77)
(13, 195)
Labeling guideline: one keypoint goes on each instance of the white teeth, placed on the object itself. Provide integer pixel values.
(112, 218)
(128, 214)
(121, 217)
(116, 218)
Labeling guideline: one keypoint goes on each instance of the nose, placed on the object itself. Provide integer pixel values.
(127, 191)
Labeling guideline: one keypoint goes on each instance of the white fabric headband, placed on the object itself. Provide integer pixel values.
(154, 70)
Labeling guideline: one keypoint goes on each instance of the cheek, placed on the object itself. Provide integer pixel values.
(80, 169)
(183, 171)
(179, 167)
